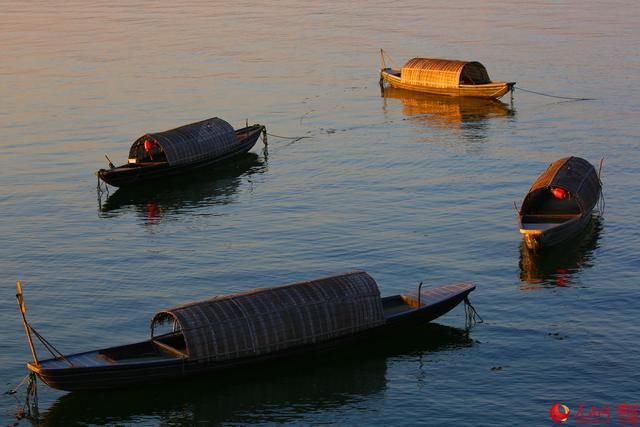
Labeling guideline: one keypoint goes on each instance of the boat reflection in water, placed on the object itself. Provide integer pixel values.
(556, 266)
(463, 113)
(202, 188)
(279, 392)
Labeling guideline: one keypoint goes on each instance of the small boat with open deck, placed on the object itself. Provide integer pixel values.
(186, 148)
(247, 328)
(444, 77)
(560, 202)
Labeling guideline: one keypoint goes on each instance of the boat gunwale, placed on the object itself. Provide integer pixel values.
(496, 89)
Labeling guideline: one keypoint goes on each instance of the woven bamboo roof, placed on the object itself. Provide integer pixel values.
(191, 143)
(443, 73)
(575, 175)
(266, 320)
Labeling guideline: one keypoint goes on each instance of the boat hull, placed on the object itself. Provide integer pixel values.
(539, 239)
(492, 90)
(57, 374)
(130, 175)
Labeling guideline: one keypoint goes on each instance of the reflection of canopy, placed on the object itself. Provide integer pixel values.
(190, 143)
(447, 110)
(265, 320)
(443, 73)
(574, 174)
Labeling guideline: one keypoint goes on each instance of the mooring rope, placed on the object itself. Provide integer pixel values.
(20, 384)
(601, 203)
(387, 56)
(554, 96)
(100, 191)
(30, 406)
(293, 138)
(471, 314)
(50, 348)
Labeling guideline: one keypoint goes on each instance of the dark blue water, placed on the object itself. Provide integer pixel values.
(406, 188)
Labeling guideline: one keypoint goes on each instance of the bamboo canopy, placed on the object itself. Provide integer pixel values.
(443, 73)
(190, 143)
(266, 320)
(575, 175)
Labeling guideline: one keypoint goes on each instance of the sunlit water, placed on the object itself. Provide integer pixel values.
(407, 188)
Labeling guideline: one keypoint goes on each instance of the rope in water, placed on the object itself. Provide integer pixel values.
(15, 389)
(288, 137)
(471, 314)
(30, 405)
(554, 96)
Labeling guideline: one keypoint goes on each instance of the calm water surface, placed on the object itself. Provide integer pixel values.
(407, 188)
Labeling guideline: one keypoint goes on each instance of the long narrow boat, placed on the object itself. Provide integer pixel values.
(560, 202)
(248, 328)
(444, 77)
(154, 156)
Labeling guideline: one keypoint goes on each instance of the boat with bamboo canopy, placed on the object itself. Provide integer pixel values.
(245, 329)
(444, 77)
(559, 204)
(155, 156)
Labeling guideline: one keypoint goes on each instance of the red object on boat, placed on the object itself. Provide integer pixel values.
(148, 145)
(559, 193)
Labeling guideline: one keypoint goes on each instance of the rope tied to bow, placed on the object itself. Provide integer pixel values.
(569, 98)
(471, 314)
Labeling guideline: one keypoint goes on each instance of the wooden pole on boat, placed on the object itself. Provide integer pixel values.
(419, 294)
(600, 168)
(111, 165)
(383, 66)
(27, 328)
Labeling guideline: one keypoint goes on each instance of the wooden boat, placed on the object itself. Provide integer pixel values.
(248, 328)
(444, 77)
(199, 188)
(559, 204)
(197, 145)
(351, 373)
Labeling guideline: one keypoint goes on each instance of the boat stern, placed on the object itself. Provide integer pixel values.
(532, 238)
(391, 76)
(33, 367)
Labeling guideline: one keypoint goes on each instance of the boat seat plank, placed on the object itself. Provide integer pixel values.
(539, 226)
(168, 349)
(393, 306)
(559, 216)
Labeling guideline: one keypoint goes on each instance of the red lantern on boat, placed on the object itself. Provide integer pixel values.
(148, 145)
(559, 193)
